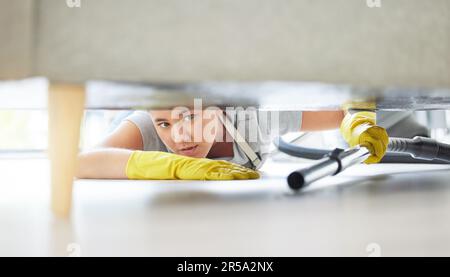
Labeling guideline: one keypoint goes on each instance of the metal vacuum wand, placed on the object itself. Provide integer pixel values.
(335, 162)
(420, 148)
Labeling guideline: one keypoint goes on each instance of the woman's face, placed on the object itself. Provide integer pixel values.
(187, 132)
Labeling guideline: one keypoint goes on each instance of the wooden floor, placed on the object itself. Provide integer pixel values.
(385, 210)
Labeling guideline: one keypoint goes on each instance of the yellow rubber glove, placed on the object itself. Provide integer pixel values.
(360, 129)
(155, 165)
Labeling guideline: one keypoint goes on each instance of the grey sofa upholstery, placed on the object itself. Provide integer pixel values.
(403, 42)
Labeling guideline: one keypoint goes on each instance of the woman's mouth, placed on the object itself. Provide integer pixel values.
(188, 150)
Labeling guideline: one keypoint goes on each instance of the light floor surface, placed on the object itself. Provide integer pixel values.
(380, 210)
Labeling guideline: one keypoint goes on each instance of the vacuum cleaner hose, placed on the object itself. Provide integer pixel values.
(400, 150)
(421, 148)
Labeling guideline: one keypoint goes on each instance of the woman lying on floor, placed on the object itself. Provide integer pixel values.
(209, 144)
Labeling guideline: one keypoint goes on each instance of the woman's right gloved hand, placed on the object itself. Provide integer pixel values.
(360, 128)
(155, 165)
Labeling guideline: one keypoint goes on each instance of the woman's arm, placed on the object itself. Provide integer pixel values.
(321, 120)
(117, 158)
(109, 159)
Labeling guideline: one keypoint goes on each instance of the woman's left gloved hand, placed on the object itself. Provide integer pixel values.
(156, 165)
(360, 128)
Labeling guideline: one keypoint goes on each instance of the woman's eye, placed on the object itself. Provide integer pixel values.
(163, 124)
(189, 117)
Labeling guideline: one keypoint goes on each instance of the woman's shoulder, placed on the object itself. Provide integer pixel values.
(150, 138)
